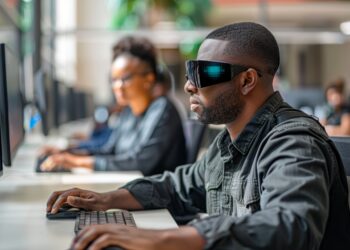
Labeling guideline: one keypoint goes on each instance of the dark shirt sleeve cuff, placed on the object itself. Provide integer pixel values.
(142, 190)
(213, 229)
(100, 163)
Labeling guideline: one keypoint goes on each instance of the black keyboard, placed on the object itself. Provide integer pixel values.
(86, 218)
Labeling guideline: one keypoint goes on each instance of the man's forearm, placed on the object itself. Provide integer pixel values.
(183, 238)
(123, 199)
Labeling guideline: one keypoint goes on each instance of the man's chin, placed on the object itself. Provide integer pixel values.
(202, 119)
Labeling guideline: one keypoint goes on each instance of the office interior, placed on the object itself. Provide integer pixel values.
(58, 77)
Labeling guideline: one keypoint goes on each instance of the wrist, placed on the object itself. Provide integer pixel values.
(182, 238)
(122, 199)
(106, 201)
(84, 161)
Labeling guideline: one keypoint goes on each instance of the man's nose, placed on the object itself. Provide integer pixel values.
(190, 88)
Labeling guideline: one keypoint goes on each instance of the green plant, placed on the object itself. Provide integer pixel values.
(186, 13)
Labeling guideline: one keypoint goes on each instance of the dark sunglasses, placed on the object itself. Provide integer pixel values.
(207, 73)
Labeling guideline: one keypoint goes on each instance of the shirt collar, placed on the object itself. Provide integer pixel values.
(251, 130)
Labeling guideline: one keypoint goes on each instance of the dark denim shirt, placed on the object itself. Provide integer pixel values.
(277, 186)
(152, 142)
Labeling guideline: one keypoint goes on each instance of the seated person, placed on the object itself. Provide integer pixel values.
(270, 180)
(100, 133)
(102, 129)
(337, 111)
(148, 135)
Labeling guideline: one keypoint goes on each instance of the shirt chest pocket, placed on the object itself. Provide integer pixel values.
(246, 196)
(213, 186)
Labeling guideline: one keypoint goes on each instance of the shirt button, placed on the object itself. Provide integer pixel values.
(226, 199)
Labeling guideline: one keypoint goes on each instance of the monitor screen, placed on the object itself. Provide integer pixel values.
(44, 101)
(11, 105)
(0, 158)
(66, 106)
(64, 103)
(304, 98)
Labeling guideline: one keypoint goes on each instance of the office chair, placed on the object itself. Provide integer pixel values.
(348, 178)
(343, 146)
(194, 131)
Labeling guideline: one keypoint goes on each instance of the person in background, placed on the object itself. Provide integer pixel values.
(337, 111)
(102, 129)
(148, 135)
(270, 180)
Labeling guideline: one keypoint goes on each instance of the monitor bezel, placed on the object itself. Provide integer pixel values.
(7, 154)
(1, 167)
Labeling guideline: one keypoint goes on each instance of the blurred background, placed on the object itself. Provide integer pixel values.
(65, 45)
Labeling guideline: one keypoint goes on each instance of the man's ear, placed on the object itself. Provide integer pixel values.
(150, 80)
(249, 80)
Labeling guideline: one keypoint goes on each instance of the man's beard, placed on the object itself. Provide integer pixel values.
(225, 109)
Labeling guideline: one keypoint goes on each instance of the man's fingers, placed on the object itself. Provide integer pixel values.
(104, 240)
(52, 199)
(58, 203)
(48, 164)
(62, 198)
(79, 202)
(100, 236)
(85, 236)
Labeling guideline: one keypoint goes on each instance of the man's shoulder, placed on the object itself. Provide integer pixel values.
(289, 119)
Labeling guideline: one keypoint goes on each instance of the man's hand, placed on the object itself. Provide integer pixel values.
(130, 238)
(67, 160)
(90, 200)
(53, 161)
(80, 198)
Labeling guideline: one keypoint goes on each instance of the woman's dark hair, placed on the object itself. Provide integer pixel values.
(337, 85)
(138, 47)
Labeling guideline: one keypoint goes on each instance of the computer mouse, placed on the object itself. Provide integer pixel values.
(40, 160)
(64, 212)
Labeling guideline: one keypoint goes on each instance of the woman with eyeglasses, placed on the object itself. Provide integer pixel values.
(148, 135)
(337, 110)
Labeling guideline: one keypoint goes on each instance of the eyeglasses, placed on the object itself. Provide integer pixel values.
(202, 73)
(127, 78)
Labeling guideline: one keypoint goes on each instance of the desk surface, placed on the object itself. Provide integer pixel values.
(23, 224)
(23, 196)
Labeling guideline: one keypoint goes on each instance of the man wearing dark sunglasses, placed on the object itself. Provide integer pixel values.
(270, 180)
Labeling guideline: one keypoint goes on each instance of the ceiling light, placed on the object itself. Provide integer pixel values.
(345, 27)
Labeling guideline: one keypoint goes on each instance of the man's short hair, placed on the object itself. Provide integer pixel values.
(251, 40)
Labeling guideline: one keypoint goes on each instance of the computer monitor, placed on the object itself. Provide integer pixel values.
(0, 159)
(63, 103)
(44, 100)
(11, 105)
(304, 98)
(343, 146)
(84, 105)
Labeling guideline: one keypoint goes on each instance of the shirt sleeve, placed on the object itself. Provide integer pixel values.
(145, 156)
(108, 146)
(294, 202)
(182, 191)
(94, 143)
